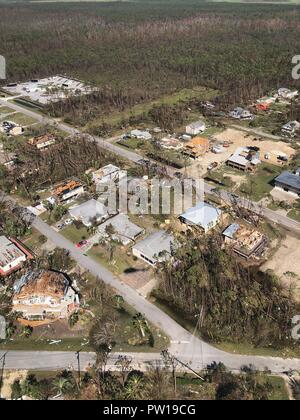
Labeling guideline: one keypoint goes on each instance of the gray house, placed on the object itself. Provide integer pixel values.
(155, 248)
(289, 182)
(125, 231)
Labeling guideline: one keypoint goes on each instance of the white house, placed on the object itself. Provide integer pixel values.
(44, 295)
(290, 128)
(124, 230)
(155, 248)
(89, 213)
(107, 174)
(11, 256)
(195, 128)
(241, 114)
(203, 215)
(285, 93)
(141, 135)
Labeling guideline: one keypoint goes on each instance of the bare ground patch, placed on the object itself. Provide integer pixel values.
(286, 263)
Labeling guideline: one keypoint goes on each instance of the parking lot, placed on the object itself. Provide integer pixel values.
(48, 90)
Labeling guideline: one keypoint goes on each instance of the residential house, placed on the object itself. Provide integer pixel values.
(44, 295)
(68, 190)
(265, 102)
(42, 142)
(12, 255)
(7, 159)
(90, 213)
(195, 128)
(157, 247)
(285, 93)
(244, 159)
(107, 174)
(241, 114)
(10, 128)
(170, 143)
(289, 182)
(290, 128)
(141, 135)
(197, 147)
(202, 215)
(245, 241)
(124, 230)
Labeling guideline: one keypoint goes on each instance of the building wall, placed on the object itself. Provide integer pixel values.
(72, 193)
(138, 254)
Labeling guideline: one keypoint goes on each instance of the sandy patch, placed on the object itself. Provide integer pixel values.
(9, 378)
(237, 138)
(286, 263)
(280, 195)
(138, 277)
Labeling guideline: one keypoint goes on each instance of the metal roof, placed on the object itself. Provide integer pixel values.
(155, 244)
(125, 230)
(202, 214)
(289, 179)
(89, 211)
(197, 124)
(231, 230)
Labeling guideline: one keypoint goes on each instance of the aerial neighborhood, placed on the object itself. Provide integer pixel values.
(149, 228)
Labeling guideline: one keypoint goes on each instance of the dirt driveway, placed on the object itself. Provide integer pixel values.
(237, 138)
(274, 148)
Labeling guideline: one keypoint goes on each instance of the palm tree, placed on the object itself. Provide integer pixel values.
(61, 385)
(135, 388)
(140, 323)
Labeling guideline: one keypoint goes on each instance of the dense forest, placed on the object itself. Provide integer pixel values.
(137, 51)
(229, 301)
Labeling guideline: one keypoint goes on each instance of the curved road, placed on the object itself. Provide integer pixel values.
(183, 344)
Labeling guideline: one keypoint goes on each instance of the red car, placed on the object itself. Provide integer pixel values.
(81, 244)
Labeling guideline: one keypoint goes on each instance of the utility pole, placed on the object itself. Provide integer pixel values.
(3, 358)
(171, 358)
(78, 367)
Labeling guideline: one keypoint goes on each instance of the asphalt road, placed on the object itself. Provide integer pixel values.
(274, 217)
(183, 344)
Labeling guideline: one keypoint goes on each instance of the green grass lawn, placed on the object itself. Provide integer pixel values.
(22, 119)
(121, 261)
(259, 184)
(295, 215)
(126, 331)
(33, 240)
(5, 110)
(279, 392)
(75, 235)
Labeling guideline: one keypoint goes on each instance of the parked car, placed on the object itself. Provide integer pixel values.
(81, 244)
(212, 166)
(178, 175)
(68, 222)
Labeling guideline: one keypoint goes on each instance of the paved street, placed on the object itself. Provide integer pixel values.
(274, 217)
(186, 346)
